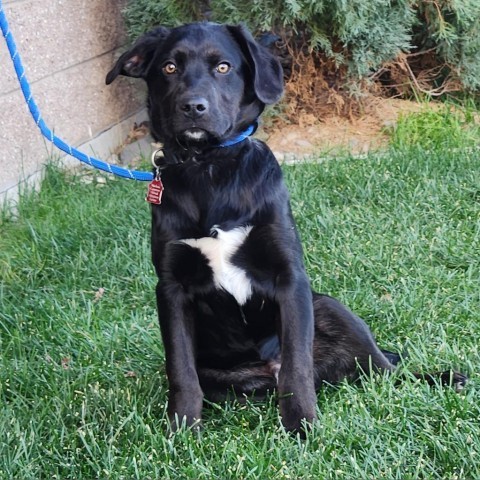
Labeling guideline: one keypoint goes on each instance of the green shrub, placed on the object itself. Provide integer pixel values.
(451, 28)
(142, 15)
(429, 46)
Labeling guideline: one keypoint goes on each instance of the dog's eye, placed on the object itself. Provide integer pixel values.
(223, 67)
(169, 68)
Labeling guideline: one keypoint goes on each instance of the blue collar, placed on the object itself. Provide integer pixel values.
(240, 137)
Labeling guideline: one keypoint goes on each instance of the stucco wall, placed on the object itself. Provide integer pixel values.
(67, 47)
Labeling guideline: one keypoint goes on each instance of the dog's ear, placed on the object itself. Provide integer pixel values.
(267, 71)
(135, 62)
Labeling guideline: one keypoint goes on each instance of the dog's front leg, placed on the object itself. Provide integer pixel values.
(297, 398)
(177, 326)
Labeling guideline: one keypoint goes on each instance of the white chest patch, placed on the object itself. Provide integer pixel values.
(219, 251)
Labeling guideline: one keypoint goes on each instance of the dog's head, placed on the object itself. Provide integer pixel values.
(206, 82)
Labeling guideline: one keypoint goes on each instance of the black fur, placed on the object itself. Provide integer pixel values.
(213, 343)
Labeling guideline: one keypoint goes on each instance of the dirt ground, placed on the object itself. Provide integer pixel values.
(334, 134)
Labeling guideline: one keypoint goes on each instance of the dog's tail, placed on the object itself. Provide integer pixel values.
(448, 378)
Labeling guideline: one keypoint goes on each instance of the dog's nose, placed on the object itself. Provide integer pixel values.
(194, 107)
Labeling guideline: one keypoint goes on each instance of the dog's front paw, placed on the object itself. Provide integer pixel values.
(297, 409)
(179, 422)
(185, 410)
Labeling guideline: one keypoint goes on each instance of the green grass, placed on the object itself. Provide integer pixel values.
(82, 384)
(438, 125)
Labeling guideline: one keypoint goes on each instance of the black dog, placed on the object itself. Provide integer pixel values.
(235, 306)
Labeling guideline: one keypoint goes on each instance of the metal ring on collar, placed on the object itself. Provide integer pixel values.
(158, 153)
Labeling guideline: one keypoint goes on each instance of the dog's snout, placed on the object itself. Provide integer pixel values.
(194, 107)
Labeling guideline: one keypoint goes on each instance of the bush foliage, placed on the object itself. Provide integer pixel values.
(421, 46)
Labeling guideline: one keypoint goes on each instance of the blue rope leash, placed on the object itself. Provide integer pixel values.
(46, 132)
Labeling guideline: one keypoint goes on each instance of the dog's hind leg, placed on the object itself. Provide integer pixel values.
(343, 344)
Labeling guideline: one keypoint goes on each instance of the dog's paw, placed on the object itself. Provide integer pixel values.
(395, 358)
(180, 423)
(448, 378)
(298, 423)
(185, 409)
(297, 412)
(454, 379)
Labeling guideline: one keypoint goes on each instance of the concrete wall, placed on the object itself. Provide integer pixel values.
(67, 47)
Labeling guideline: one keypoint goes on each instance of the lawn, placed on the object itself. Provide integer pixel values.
(395, 236)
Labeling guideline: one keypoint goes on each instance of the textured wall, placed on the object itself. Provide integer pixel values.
(67, 47)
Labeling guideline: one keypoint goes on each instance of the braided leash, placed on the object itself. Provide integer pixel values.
(46, 132)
